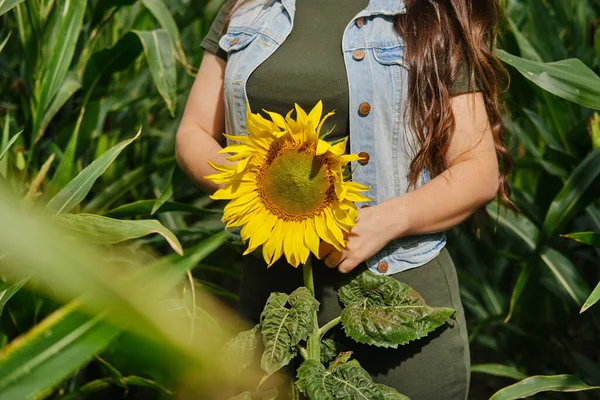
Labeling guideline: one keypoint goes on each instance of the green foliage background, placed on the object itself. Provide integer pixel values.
(79, 79)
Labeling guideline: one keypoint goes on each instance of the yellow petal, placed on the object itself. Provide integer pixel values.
(322, 122)
(333, 228)
(314, 116)
(322, 147)
(339, 148)
(311, 239)
(266, 221)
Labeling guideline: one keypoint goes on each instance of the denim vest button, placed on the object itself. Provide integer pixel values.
(364, 109)
(234, 41)
(383, 267)
(358, 55)
(364, 158)
(360, 21)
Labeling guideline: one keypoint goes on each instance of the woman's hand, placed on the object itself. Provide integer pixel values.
(469, 183)
(370, 234)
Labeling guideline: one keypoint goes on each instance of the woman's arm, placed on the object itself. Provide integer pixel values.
(199, 136)
(470, 182)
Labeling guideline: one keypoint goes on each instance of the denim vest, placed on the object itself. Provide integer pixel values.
(378, 85)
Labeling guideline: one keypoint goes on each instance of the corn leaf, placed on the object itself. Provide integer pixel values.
(539, 384)
(72, 194)
(159, 54)
(8, 290)
(582, 188)
(33, 365)
(569, 79)
(593, 299)
(5, 41)
(57, 66)
(563, 270)
(9, 144)
(7, 5)
(161, 12)
(103, 230)
(146, 207)
(499, 370)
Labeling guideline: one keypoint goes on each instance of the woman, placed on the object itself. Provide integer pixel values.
(401, 76)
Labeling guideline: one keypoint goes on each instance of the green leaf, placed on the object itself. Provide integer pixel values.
(329, 350)
(524, 276)
(8, 290)
(343, 380)
(381, 311)
(279, 329)
(103, 230)
(33, 365)
(113, 192)
(9, 144)
(146, 207)
(7, 5)
(538, 384)
(582, 187)
(562, 268)
(159, 54)
(305, 305)
(72, 194)
(57, 66)
(593, 299)
(569, 79)
(283, 328)
(242, 348)
(266, 395)
(176, 178)
(104, 63)
(499, 370)
(5, 41)
(161, 12)
(589, 238)
(70, 85)
(390, 394)
(525, 47)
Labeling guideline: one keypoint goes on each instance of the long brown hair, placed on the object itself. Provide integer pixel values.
(441, 36)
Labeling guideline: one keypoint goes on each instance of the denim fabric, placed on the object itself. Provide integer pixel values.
(380, 79)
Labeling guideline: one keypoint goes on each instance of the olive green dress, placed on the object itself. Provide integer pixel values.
(307, 67)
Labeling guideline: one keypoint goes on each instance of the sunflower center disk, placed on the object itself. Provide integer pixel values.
(296, 184)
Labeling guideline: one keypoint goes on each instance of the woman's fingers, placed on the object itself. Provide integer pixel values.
(324, 249)
(333, 259)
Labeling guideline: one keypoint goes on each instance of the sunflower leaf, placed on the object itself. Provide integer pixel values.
(280, 333)
(243, 347)
(306, 305)
(330, 350)
(283, 328)
(346, 380)
(384, 312)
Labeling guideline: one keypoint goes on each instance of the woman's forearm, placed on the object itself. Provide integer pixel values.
(193, 149)
(443, 202)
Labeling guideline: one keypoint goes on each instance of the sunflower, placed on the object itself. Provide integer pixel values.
(287, 190)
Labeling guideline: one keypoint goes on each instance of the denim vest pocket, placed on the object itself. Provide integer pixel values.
(235, 41)
(390, 55)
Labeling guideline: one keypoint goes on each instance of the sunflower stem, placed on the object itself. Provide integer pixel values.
(307, 273)
(328, 326)
(313, 345)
